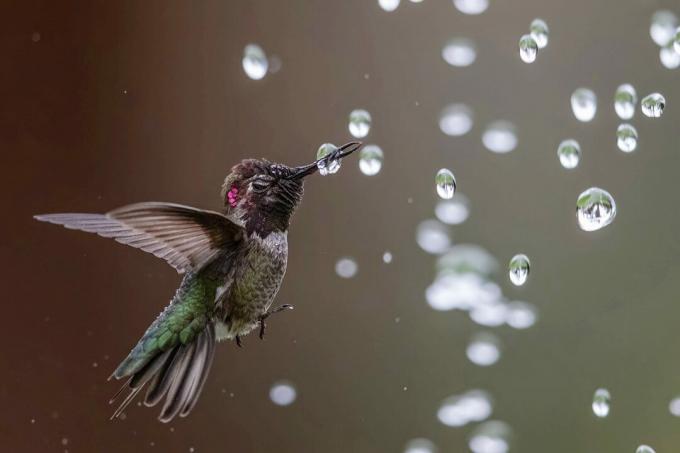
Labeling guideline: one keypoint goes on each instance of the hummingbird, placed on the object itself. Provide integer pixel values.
(232, 263)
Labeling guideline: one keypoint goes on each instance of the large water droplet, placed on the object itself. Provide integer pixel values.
(626, 138)
(521, 315)
(669, 57)
(569, 153)
(625, 99)
(584, 104)
(445, 183)
(459, 410)
(539, 31)
(254, 62)
(346, 267)
(471, 6)
(433, 236)
(644, 449)
(484, 349)
(454, 211)
(500, 137)
(595, 209)
(518, 269)
(282, 393)
(455, 120)
(490, 437)
(653, 104)
(330, 167)
(674, 407)
(662, 28)
(420, 446)
(370, 160)
(528, 49)
(359, 123)
(389, 5)
(459, 52)
(601, 402)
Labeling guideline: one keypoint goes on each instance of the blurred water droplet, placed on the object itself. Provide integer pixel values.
(282, 393)
(35, 37)
(454, 211)
(389, 5)
(644, 449)
(528, 49)
(626, 138)
(491, 314)
(500, 137)
(466, 291)
(459, 410)
(569, 153)
(601, 402)
(490, 437)
(595, 209)
(433, 236)
(584, 104)
(469, 258)
(669, 57)
(445, 183)
(625, 99)
(275, 64)
(370, 160)
(64, 441)
(387, 257)
(471, 6)
(346, 267)
(662, 28)
(420, 446)
(359, 123)
(459, 52)
(330, 167)
(674, 407)
(539, 31)
(653, 104)
(255, 62)
(456, 120)
(483, 349)
(518, 269)
(520, 315)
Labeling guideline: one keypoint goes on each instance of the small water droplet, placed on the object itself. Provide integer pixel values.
(625, 99)
(254, 62)
(500, 137)
(626, 138)
(283, 393)
(359, 123)
(387, 257)
(669, 57)
(346, 267)
(456, 120)
(539, 31)
(275, 64)
(433, 236)
(370, 160)
(595, 209)
(445, 183)
(674, 407)
(389, 5)
(662, 28)
(569, 153)
(520, 315)
(454, 211)
(330, 167)
(490, 437)
(35, 37)
(601, 402)
(483, 349)
(644, 449)
(528, 49)
(64, 440)
(459, 52)
(653, 104)
(459, 410)
(420, 446)
(584, 104)
(518, 269)
(471, 6)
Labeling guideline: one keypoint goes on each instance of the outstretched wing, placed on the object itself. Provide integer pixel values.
(183, 236)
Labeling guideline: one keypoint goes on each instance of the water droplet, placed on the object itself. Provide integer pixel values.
(601, 402)
(471, 6)
(35, 37)
(346, 267)
(420, 446)
(370, 160)
(584, 104)
(625, 99)
(330, 167)
(663, 27)
(669, 57)
(465, 291)
(459, 52)
(255, 62)
(569, 153)
(644, 449)
(528, 49)
(595, 209)
(282, 393)
(518, 269)
(387, 257)
(652, 105)
(469, 258)
(456, 120)
(454, 211)
(459, 410)
(539, 31)
(484, 349)
(359, 123)
(500, 137)
(626, 138)
(445, 183)
(433, 236)
(275, 64)
(489, 314)
(389, 5)
(490, 437)
(674, 407)
(520, 315)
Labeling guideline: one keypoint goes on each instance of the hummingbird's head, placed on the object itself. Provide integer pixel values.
(263, 195)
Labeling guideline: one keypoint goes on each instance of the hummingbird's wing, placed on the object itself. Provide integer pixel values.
(183, 236)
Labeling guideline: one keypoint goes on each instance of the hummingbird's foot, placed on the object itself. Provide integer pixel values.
(263, 325)
(238, 341)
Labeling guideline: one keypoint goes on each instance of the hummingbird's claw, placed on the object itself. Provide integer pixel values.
(238, 341)
(263, 325)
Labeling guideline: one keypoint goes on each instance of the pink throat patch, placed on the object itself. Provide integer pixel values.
(232, 197)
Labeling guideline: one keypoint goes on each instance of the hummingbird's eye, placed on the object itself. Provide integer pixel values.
(259, 185)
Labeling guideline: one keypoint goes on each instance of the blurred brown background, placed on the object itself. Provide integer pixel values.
(117, 102)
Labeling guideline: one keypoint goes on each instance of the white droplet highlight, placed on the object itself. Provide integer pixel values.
(254, 62)
(359, 123)
(346, 267)
(370, 160)
(584, 104)
(456, 120)
(625, 99)
(500, 137)
(528, 49)
(459, 52)
(626, 138)
(283, 393)
(601, 402)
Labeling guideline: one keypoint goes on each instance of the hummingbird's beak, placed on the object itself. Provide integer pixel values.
(344, 150)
